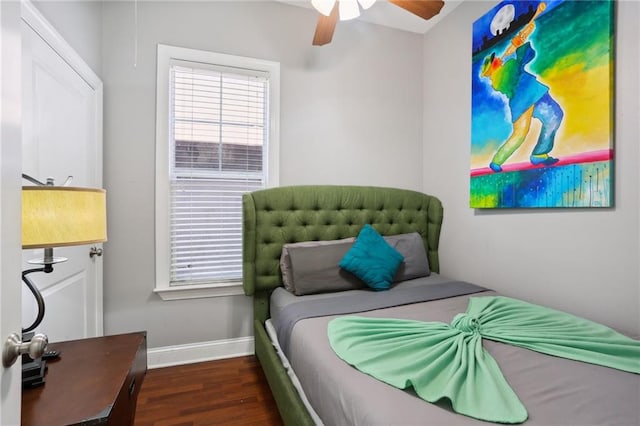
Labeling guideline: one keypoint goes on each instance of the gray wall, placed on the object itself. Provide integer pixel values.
(346, 111)
(583, 261)
(341, 124)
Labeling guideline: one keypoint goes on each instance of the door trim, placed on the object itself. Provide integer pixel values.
(32, 17)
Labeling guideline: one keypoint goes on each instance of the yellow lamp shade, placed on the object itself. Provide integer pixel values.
(57, 216)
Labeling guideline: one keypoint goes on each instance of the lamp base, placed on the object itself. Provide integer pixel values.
(33, 370)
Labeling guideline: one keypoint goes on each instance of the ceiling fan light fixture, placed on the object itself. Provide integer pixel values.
(349, 9)
(366, 4)
(323, 6)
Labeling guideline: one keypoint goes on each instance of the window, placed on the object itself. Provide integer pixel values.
(216, 139)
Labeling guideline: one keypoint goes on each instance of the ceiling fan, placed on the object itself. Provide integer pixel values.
(331, 10)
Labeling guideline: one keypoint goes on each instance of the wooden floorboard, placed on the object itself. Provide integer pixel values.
(226, 392)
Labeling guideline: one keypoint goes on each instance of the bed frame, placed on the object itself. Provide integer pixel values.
(277, 216)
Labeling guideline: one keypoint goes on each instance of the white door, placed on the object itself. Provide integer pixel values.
(10, 251)
(62, 136)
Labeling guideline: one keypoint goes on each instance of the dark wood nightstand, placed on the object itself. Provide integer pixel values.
(94, 382)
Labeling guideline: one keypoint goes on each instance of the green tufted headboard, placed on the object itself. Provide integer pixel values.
(277, 216)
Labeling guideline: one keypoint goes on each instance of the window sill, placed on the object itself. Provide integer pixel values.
(199, 291)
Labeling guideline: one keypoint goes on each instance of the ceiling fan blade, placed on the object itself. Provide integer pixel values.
(426, 9)
(326, 26)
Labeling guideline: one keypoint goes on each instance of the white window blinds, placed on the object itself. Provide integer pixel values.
(218, 139)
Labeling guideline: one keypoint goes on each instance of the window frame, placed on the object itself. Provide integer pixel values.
(165, 55)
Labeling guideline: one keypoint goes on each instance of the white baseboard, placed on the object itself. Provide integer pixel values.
(198, 352)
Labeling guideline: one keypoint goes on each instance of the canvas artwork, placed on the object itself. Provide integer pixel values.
(542, 105)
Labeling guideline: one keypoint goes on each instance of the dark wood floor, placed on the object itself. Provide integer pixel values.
(226, 392)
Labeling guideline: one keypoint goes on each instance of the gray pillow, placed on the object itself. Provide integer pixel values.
(415, 263)
(312, 266)
(313, 262)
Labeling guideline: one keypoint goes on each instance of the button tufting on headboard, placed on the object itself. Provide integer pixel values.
(277, 216)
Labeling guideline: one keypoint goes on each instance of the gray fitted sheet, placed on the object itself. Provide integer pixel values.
(349, 303)
(555, 391)
(281, 298)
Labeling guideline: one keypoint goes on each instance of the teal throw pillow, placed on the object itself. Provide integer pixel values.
(372, 259)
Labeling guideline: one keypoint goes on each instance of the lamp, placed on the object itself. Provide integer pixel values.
(58, 216)
(53, 216)
(323, 6)
(348, 9)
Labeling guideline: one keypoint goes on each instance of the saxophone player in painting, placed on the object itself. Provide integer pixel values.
(527, 98)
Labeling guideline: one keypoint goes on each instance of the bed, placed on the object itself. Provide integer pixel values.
(313, 385)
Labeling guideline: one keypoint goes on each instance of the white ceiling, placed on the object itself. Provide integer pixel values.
(384, 13)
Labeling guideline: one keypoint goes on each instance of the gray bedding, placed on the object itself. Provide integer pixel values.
(365, 301)
(282, 298)
(555, 391)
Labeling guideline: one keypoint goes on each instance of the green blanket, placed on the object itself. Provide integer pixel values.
(448, 361)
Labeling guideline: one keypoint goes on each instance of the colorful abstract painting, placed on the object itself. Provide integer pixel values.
(542, 105)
